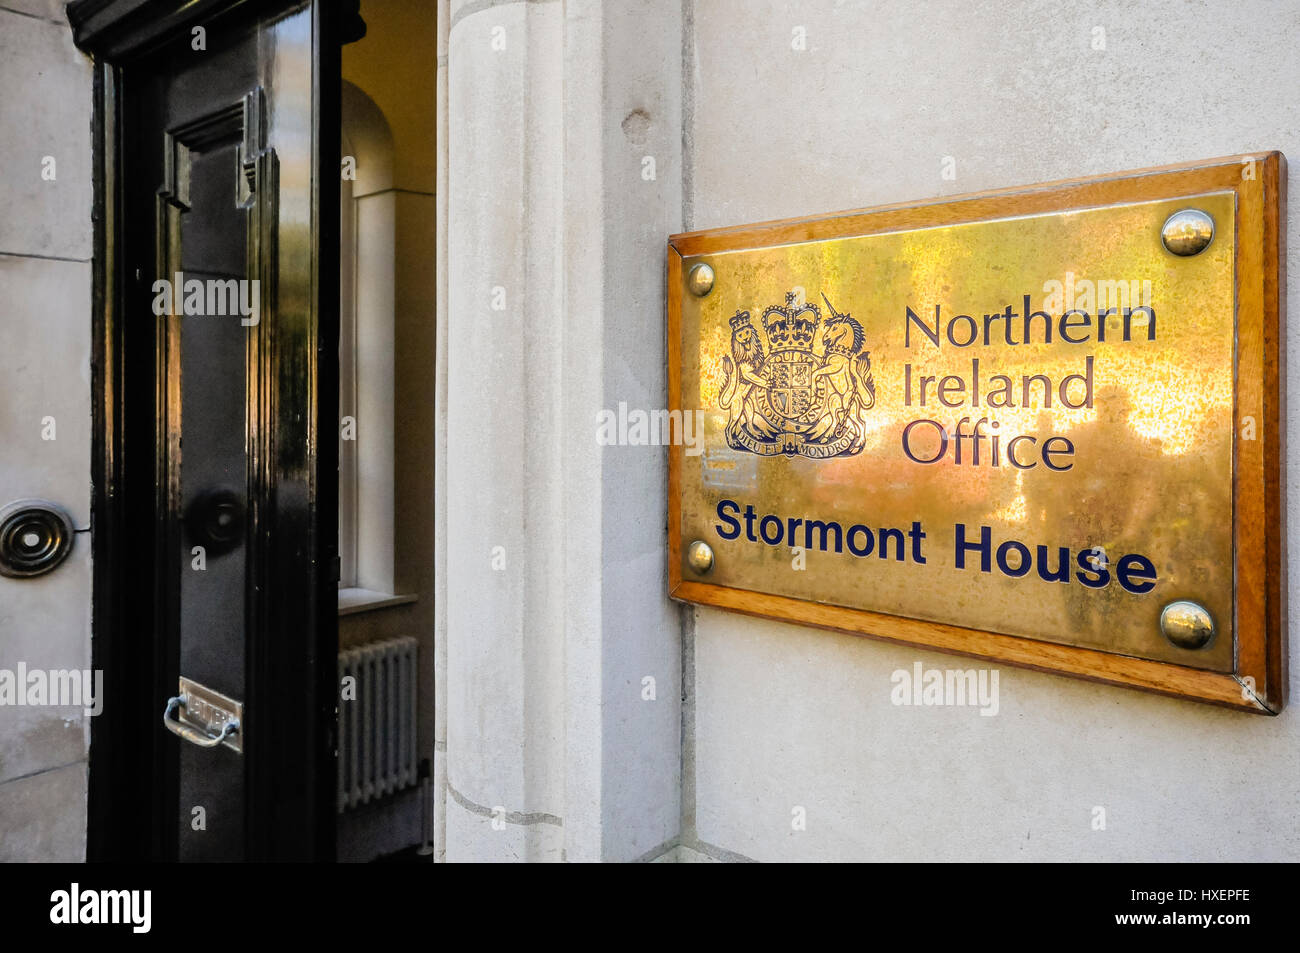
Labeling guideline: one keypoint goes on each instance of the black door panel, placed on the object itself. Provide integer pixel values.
(220, 498)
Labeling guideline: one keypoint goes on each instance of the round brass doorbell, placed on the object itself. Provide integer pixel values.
(35, 536)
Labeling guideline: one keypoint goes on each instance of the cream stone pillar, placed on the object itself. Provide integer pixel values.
(440, 455)
(553, 576)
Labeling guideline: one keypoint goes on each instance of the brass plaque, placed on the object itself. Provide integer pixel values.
(1019, 424)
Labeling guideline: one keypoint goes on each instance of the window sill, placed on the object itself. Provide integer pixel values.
(353, 601)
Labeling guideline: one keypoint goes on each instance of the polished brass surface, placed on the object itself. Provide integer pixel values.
(699, 556)
(808, 371)
(1187, 625)
(700, 280)
(1188, 232)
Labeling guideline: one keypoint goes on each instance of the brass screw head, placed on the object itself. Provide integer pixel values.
(1187, 625)
(1187, 232)
(699, 556)
(700, 280)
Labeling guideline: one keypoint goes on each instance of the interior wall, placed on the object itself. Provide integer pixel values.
(782, 717)
(45, 284)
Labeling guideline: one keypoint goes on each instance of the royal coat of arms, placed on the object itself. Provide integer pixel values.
(807, 392)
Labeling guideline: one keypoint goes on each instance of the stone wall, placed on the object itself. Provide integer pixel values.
(45, 287)
(782, 717)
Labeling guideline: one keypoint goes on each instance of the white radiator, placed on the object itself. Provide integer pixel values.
(377, 721)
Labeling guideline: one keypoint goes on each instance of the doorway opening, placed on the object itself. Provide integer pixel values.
(232, 578)
(215, 502)
(387, 353)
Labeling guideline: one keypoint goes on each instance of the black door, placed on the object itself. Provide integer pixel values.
(215, 530)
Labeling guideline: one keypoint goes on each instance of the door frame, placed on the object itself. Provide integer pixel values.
(290, 770)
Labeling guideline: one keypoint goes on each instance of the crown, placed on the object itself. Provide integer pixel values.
(740, 319)
(791, 326)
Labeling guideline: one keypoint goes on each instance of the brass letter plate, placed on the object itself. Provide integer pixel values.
(1039, 426)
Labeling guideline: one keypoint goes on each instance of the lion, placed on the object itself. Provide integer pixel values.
(743, 372)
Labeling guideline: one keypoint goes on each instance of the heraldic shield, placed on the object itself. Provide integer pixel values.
(805, 390)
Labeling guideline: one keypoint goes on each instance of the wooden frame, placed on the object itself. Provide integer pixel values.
(1258, 681)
